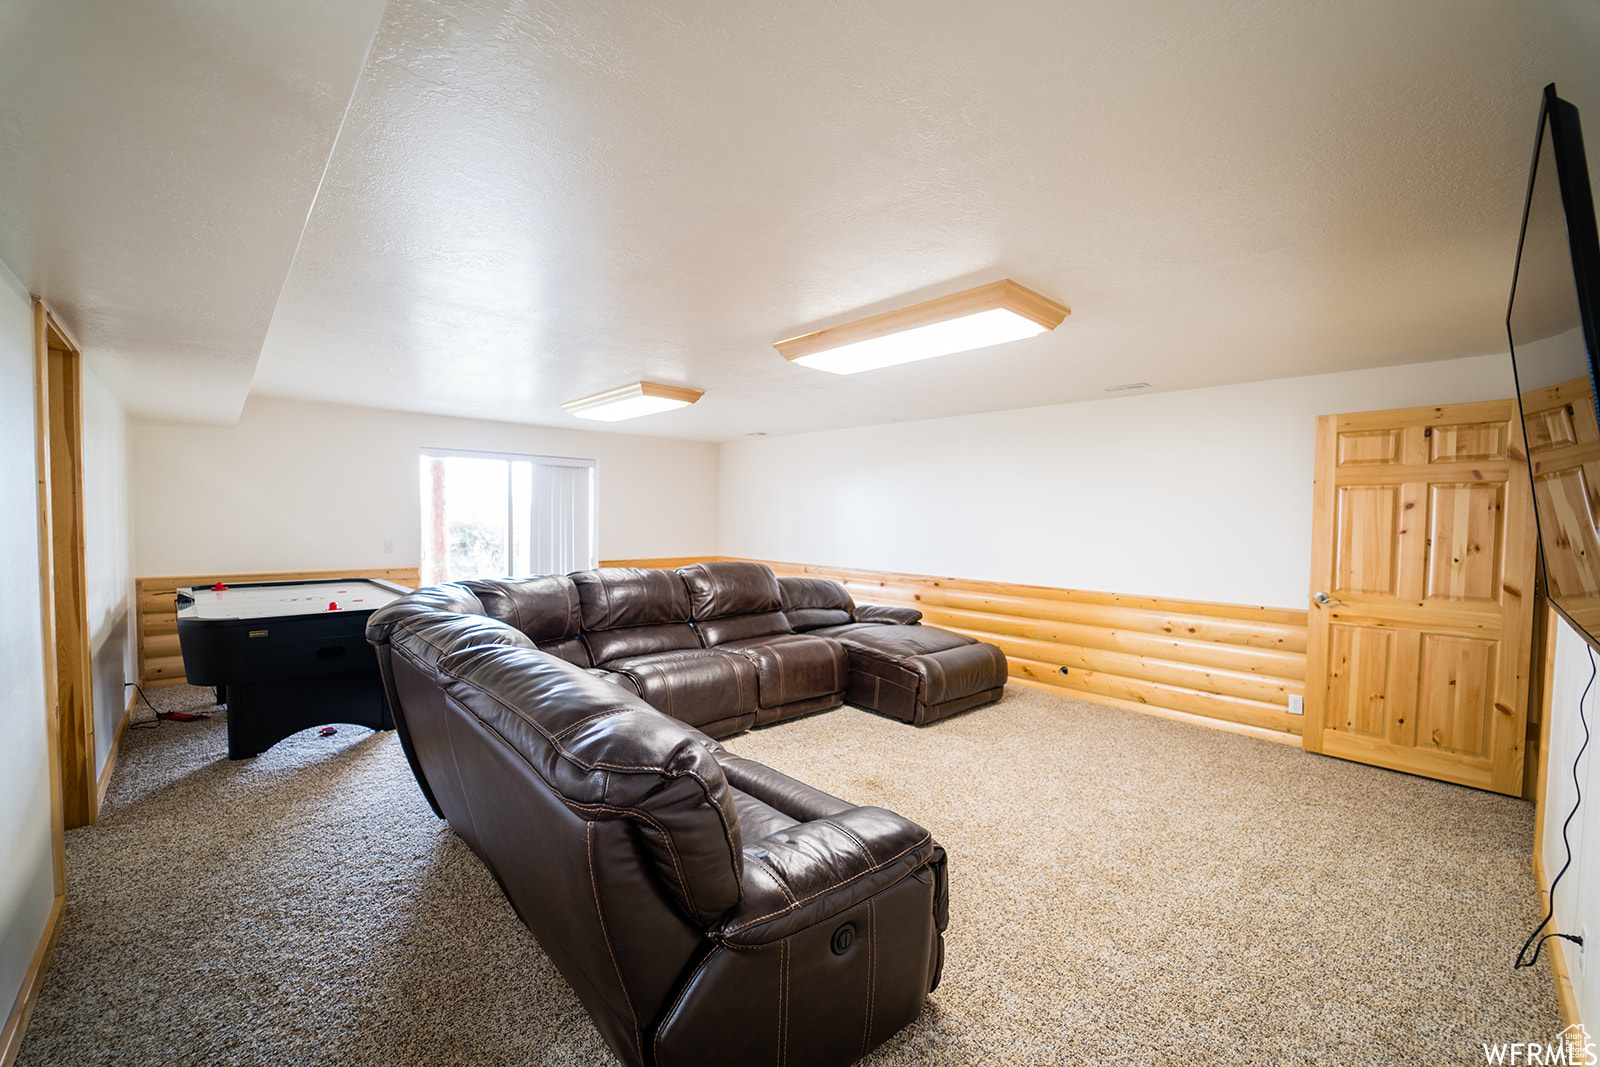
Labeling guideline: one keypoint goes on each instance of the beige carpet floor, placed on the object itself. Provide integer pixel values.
(1124, 890)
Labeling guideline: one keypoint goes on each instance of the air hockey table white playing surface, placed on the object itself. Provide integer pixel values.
(282, 599)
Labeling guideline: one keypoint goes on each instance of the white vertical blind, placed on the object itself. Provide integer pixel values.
(495, 515)
(563, 518)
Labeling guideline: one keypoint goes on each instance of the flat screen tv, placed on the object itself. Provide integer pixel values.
(1552, 329)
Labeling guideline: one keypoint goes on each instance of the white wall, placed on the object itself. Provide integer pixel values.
(1202, 495)
(108, 565)
(1577, 897)
(27, 862)
(298, 486)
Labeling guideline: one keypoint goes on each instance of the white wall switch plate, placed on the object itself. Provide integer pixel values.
(1583, 952)
(388, 548)
(1297, 705)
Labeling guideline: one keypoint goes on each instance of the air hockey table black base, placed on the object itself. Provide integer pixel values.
(281, 667)
(260, 714)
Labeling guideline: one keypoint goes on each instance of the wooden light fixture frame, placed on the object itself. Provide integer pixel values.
(1005, 294)
(630, 392)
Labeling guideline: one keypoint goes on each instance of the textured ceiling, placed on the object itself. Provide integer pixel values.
(157, 161)
(532, 202)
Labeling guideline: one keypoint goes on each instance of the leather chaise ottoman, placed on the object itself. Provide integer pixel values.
(918, 674)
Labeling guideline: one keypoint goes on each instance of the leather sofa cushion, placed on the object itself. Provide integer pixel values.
(606, 646)
(718, 590)
(757, 818)
(544, 608)
(804, 620)
(813, 602)
(699, 686)
(571, 649)
(793, 667)
(739, 627)
(614, 597)
(614, 757)
(898, 640)
(889, 613)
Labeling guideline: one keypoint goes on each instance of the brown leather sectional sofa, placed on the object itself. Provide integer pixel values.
(725, 646)
(705, 908)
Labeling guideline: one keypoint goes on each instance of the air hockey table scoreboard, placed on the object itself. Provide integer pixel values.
(285, 656)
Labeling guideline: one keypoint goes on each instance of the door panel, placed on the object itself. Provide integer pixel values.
(1463, 545)
(1358, 679)
(1367, 539)
(1377, 446)
(1456, 694)
(1424, 542)
(1484, 440)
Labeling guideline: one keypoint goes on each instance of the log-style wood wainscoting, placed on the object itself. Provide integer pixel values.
(1222, 664)
(1227, 665)
(160, 661)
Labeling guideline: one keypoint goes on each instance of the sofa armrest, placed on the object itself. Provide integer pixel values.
(798, 877)
(794, 798)
(898, 616)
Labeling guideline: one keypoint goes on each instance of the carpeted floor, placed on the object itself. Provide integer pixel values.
(1123, 889)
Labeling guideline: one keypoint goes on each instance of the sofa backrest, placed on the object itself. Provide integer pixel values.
(809, 603)
(633, 611)
(410, 636)
(546, 609)
(731, 601)
(430, 623)
(608, 755)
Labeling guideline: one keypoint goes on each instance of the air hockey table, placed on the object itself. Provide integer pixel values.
(285, 656)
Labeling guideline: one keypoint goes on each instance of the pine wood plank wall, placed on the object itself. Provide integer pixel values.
(160, 661)
(1231, 665)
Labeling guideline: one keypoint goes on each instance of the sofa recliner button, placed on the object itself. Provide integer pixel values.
(843, 938)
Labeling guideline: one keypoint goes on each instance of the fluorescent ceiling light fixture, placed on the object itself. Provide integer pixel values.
(631, 401)
(975, 318)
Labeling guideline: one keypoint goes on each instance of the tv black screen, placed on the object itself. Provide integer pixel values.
(1552, 330)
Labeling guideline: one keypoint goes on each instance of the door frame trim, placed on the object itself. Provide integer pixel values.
(63, 589)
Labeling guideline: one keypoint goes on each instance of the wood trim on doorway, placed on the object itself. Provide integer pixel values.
(69, 684)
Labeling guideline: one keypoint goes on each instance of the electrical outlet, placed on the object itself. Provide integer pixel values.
(1297, 705)
(388, 548)
(1583, 952)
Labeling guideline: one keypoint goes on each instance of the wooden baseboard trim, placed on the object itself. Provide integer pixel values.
(1566, 999)
(32, 982)
(1277, 737)
(111, 757)
(659, 562)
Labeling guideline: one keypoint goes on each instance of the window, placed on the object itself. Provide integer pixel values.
(494, 515)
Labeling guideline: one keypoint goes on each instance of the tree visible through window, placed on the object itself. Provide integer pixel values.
(493, 515)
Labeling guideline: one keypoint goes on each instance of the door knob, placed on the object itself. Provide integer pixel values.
(1322, 599)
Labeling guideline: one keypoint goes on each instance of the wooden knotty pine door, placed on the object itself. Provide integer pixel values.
(1424, 544)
